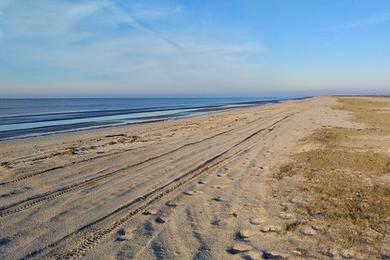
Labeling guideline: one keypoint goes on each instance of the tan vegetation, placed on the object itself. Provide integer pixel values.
(344, 185)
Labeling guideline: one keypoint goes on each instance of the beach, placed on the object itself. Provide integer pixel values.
(299, 179)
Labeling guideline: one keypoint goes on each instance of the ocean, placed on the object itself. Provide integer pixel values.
(20, 118)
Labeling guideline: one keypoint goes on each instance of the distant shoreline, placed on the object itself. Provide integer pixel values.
(48, 123)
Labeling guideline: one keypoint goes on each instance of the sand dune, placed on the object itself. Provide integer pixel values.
(196, 188)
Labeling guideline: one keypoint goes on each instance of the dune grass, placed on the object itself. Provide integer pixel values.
(346, 186)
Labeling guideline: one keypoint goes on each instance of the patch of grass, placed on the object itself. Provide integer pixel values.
(326, 136)
(341, 194)
(369, 162)
(372, 112)
(285, 170)
(335, 136)
(6, 165)
(342, 183)
(68, 151)
(130, 139)
(349, 204)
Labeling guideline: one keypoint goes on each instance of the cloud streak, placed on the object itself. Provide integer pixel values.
(115, 44)
(131, 18)
(364, 22)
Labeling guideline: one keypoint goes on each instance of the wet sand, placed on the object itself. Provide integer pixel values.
(196, 188)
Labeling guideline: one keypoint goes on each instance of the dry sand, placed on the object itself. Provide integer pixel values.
(251, 183)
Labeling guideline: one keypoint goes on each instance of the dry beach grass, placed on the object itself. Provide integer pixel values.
(344, 183)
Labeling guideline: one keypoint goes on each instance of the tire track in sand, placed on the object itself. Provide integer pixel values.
(91, 234)
(27, 176)
(38, 199)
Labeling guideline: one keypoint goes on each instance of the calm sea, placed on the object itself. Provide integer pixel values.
(33, 117)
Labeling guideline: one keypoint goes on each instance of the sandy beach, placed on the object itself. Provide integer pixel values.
(300, 179)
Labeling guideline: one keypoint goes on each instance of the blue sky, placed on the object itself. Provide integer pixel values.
(193, 48)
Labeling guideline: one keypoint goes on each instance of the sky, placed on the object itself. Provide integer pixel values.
(202, 48)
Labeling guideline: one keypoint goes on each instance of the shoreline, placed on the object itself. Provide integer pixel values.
(33, 125)
(95, 126)
(214, 184)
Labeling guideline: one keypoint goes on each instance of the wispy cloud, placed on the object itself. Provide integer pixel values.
(132, 16)
(363, 22)
(118, 43)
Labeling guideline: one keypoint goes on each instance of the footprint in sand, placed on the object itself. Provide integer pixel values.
(274, 255)
(271, 228)
(255, 221)
(122, 235)
(218, 198)
(216, 222)
(307, 231)
(160, 219)
(171, 204)
(4, 241)
(252, 255)
(285, 206)
(286, 216)
(348, 253)
(238, 248)
(246, 233)
(189, 192)
(331, 252)
(6, 165)
(150, 212)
